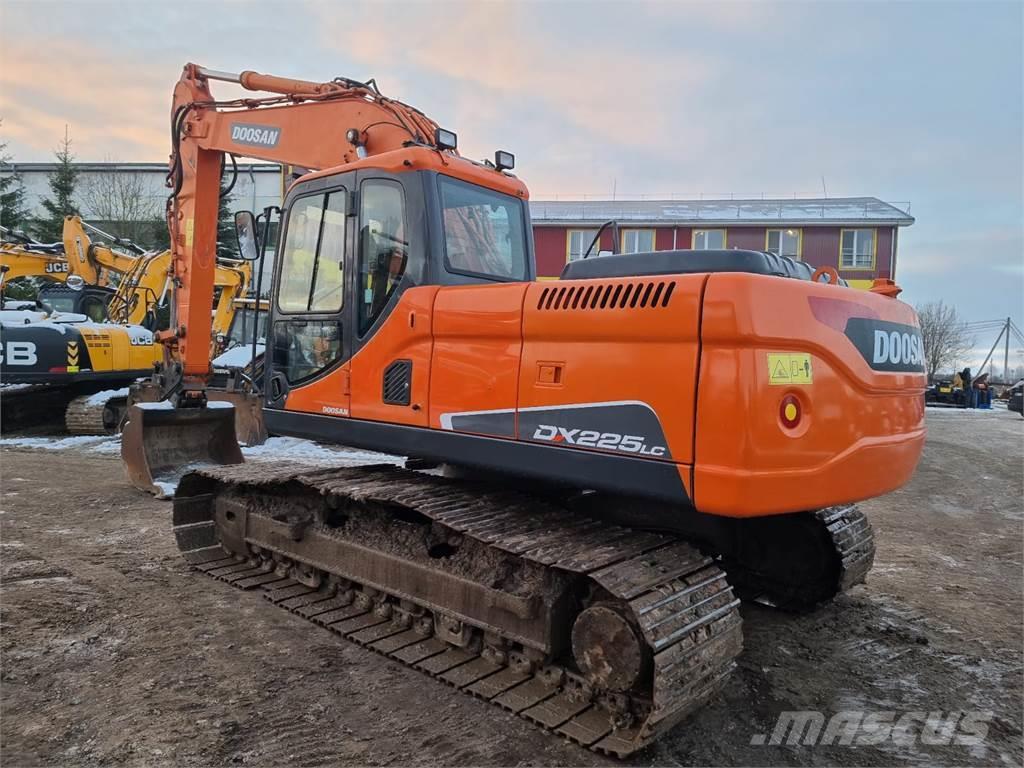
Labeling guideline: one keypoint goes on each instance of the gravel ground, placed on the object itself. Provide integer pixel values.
(114, 653)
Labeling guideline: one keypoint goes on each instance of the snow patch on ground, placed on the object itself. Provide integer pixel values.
(92, 443)
(933, 410)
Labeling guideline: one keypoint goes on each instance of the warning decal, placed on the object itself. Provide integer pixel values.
(789, 368)
(72, 357)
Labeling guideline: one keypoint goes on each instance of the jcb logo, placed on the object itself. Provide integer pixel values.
(57, 268)
(589, 438)
(18, 353)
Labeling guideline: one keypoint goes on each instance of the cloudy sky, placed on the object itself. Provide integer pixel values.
(918, 102)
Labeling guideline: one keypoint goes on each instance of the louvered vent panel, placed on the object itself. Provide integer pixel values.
(643, 294)
(398, 383)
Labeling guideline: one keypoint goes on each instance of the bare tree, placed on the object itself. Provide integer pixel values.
(124, 204)
(945, 337)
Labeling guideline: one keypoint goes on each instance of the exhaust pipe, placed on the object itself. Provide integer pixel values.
(160, 443)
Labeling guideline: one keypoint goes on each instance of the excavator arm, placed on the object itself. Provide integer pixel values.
(308, 124)
(23, 261)
(233, 282)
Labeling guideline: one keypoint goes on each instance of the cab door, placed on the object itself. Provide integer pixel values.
(309, 340)
(392, 312)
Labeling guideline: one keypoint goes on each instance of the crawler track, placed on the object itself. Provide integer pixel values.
(805, 560)
(86, 416)
(604, 635)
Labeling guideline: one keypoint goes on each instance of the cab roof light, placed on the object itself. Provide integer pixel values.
(504, 161)
(444, 139)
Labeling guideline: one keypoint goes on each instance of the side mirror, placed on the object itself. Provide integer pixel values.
(245, 234)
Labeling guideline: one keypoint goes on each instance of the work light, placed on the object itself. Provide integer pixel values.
(445, 139)
(504, 161)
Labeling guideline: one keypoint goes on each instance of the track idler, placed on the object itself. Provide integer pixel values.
(160, 443)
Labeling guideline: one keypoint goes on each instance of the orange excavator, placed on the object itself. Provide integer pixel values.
(624, 452)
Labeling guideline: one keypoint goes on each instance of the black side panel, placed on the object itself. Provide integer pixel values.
(620, 474)
(34, 354)
(684, 262)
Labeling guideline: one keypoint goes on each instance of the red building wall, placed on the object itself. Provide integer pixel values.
(663, 238)
(747, 238)
(549, 250)
(820, 246)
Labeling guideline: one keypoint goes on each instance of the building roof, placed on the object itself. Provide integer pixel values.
(791, 212)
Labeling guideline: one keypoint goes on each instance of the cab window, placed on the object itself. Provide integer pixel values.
(383, 247)
(483, 231)
(304, 348)
(95, 309)
(313, 260)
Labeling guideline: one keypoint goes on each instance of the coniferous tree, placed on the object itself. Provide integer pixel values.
(13, 213)
(61, 203)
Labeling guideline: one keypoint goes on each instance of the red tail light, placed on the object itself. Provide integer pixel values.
(790, 411)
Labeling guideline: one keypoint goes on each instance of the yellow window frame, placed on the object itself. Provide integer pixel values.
(622, 238)
(799, 240)
(694, 233)
(568, 242)
(874, 249)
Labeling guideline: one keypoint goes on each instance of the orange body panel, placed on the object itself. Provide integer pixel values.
(632, 353)
(329, 395)
(861, 431)
(697, 362)
(406, 334)
(477, 348)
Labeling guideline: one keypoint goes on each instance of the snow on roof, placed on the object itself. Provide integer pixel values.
(861, 210)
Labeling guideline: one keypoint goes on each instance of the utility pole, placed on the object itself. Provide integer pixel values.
(1006, 355)
(1005, 329)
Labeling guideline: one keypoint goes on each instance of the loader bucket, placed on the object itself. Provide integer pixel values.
(160, 443)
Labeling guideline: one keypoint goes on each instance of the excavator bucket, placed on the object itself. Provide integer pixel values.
(160, 443)
(250, 428)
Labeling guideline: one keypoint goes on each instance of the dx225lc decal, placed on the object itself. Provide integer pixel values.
(591, 438)
(887, 346)
(627, 426)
